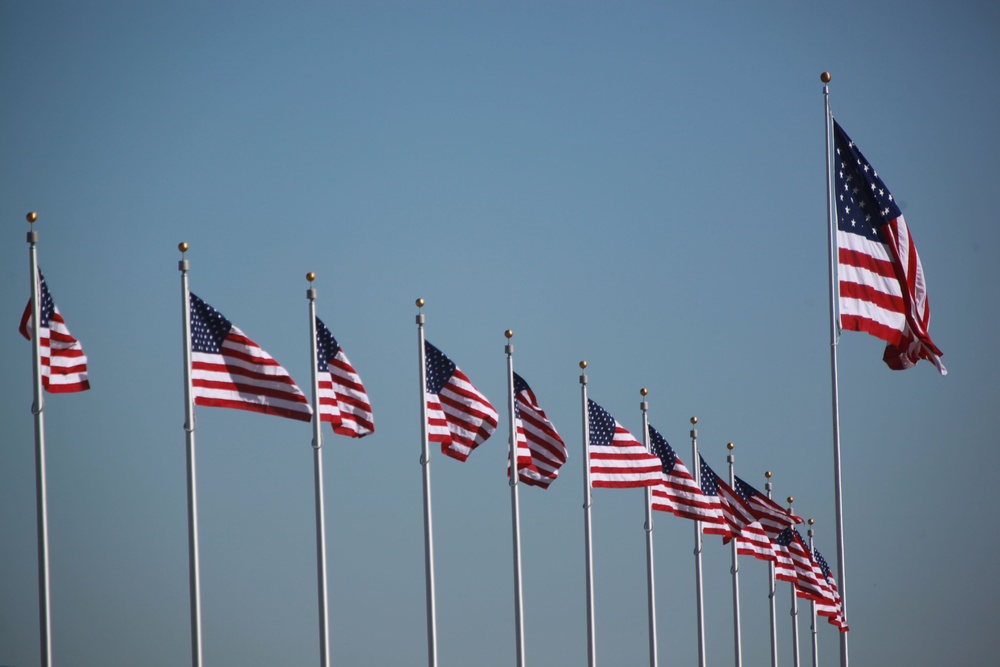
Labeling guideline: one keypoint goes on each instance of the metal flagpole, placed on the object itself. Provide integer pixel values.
(589, 558)
(41, 494)
(317, 445)
(699, 588)
(737, 639)
(771, 590)
(515, 510)
(795, 608)
(425, 464)
(834, 337)
(194, 576)
(812, 606)
(650, 579)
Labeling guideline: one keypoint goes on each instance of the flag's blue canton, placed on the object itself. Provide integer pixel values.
(784, 537)
(823, 565)
(439, 368)
(863, 202)
(208, 327)
(709, 483)
(745, 490)
(47, 307)
(519, 386)
(326, 346)
(602, 424)
(662, 448)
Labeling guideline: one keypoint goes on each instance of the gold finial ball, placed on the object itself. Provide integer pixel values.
(694, 420)
(311, 276)
(730, 446)
(825, 77)
(768, 474)
(791, 500)
(420, 303)
(509, 333)
(183, 247)
(31, 217)
(583, 364)
(643, 391)
(810, 522)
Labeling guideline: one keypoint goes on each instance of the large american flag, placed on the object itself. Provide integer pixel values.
(458, 415)
(617, 459)
(540, 449)
(834, 612)
(64, 365)
(751, 539)
(882, 289)
(678, 493)
(342, 398)
(228, 370)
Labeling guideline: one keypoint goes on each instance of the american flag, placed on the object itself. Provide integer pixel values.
(882, 288)
(678, 492)
(64, 365)
(228, 370)
(751, 539)
(617, 459)
(773, 517)
(458, 415)
(342, 398)
(833, 612)
(795, 564)
(540, 450)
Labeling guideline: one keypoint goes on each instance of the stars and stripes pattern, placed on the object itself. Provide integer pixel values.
(617, 459)
(834, 612)
(795, 565)
(678, 492)
(228, 370)
(64, 365)
(458, 415)
(541, 452)
(773, 517)
(343, 401)
(882, 288)
(750, 536)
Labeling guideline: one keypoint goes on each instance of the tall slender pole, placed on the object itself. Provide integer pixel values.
(648, 526)
(41, 492)
(699, 588)
(587, 498)
(317, 445)
(515, 508)
(425, 463)
(194, 575)
(812, 607)
(771, 590)
(737, 638)
(834, 336)
(795, 608)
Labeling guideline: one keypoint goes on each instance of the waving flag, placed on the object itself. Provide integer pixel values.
(882, 289)
(834, 612)
(773, 517)
(540, 450)
(228, 370)
(678, 493)
(64, 365)
(342, 398)
(458, 415)
(750, 535)
(617, 459)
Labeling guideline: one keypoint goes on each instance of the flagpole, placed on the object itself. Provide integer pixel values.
(425, 464)
(650, 580)
(515, 509)
(699, 588)
(587, 499)
(812, 606)
(194, 575)
(795, 608)
(41, 487)
(317, 445)
(772, 590)
(834, 337)
(737, 639)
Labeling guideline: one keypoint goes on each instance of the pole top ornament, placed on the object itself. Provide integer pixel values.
(183, 246)
(825, 77)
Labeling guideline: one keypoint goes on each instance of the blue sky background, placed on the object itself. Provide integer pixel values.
(638, 184)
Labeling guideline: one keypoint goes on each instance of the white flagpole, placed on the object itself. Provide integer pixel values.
(795, 608)
(587, 498)
(699, 588)
(425, 463)
(812, 606)
(771, 590)
(834, 337)
(737, 638)
(41, 493)
(194, 576)
(515, 509)
(317, 445)
(650, 579)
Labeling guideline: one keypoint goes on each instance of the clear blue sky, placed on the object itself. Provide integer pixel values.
(637, 184)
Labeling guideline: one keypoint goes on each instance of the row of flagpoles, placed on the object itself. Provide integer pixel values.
(876, 285)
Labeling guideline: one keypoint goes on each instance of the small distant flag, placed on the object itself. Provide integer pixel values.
(773, 517)
(751, 538)
(833, 611)
(64, 365)
(678, 493)
(458, 415)
(540, 449)
(617, 459)
(343, 401)
(228, 370)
